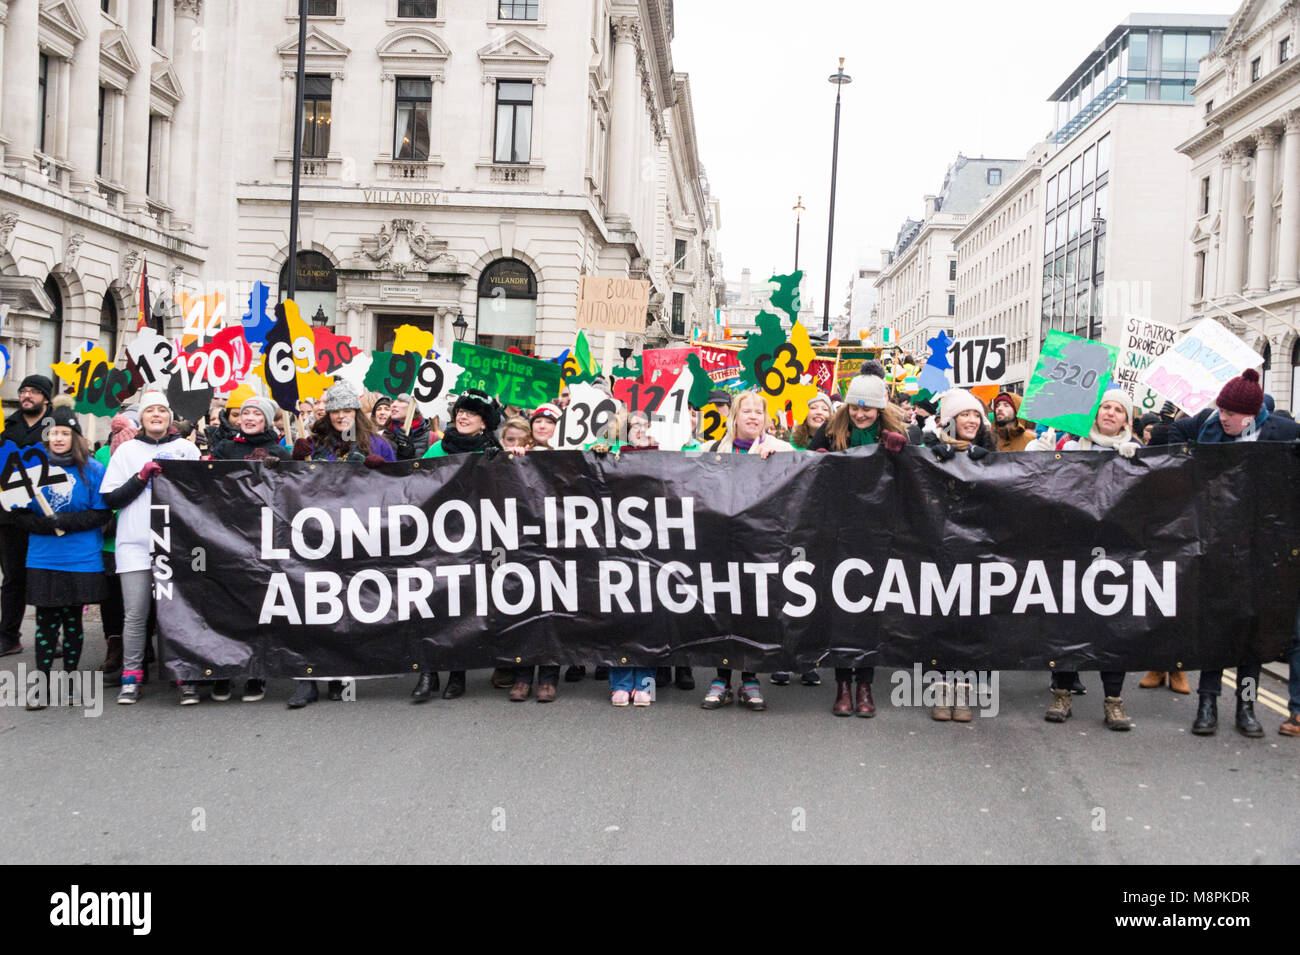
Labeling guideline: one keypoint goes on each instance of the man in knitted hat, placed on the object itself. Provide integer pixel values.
(23, 429)
(1012, 432)
(1237, 415)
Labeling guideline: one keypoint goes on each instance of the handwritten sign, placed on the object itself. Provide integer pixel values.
(513, 379)
(612, 304)
(1068, 382)
(1192, 372)
(1144, 342)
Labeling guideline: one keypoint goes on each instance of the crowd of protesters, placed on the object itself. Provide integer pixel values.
(92, 543)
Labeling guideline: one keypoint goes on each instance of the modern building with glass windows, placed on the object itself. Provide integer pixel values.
(1114, 216)
(1146, 58)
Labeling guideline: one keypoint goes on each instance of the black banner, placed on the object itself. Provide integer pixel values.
(1187, 556)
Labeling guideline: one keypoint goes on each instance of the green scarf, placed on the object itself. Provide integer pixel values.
(865, 436)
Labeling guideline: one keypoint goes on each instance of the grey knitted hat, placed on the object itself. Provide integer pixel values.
(341, 397)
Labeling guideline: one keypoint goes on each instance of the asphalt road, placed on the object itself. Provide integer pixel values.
(482, 780)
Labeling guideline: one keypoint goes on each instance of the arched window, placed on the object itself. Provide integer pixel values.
(507, 306)
(1266, 373)
(50, 349)
(107, 338)
(317, 287)
(1295, 378)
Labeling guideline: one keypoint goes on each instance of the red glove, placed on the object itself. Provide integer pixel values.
(374, 461)
(894, 441)
(150, 470)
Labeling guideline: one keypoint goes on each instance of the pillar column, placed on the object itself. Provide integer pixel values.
(1261, 238)
(22, 64)
(135, 160)
(83, 130)
(186, 63)
(1288, 249)
(624, 114)
(1234, 220)
(388, 115)
(288, 88)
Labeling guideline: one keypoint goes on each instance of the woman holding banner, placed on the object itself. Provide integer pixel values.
(961, 425)
(1111, 431)
(867, 417)
(341, 433)
(126, 487)
(746, 434)
(257, 439)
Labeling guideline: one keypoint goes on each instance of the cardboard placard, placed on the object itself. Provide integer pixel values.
(1144, 342)
(612, 304)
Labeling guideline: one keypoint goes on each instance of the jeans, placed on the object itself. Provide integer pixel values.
(137, 601)
(1112, 681)
(13, 592)
(546, 675)
(631, 678)
(863, 674)
(724, 676)
(1212, 680)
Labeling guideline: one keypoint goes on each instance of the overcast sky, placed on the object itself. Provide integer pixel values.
(931, 78)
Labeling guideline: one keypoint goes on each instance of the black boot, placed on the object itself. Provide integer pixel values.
(663, 677)
(1247, 725)
(1077, 687)
(336, 690)
(685, 678)
(455, 685)
(575, 673)
(303, 694)
(1207, 716)
(425, 687)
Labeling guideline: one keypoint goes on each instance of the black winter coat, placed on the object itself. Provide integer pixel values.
(408, 447)
(251, 447)
(1204, 428)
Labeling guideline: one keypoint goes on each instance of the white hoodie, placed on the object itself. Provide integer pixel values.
(134, 540)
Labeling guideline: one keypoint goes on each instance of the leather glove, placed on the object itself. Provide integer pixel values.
(894, 442)
(1128, 449)
(150, 470)
(374, 461)
(943, 451)
(977, 451)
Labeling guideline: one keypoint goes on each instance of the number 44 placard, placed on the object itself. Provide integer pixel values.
(978, 361)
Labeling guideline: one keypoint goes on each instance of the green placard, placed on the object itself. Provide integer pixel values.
(1068, 383)
(513, 379)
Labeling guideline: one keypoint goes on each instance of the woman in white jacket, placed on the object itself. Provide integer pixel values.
(127, 488)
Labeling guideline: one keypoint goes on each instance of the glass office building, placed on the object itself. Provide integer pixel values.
(1143, 59)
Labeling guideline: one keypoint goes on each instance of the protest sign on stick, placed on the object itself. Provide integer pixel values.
(1144, 342)
(514, 379)
(1068, 382)
(1193, 371)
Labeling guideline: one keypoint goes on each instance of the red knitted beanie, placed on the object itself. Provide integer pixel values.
(1242, 395)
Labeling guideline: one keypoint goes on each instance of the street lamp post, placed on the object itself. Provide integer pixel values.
(459, 327)
(840, 79)
(799, 210)
(292, 285)
(1097, 224)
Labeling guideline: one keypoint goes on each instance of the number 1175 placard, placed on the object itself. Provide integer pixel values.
(978, 361)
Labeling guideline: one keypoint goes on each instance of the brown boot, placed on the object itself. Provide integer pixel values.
(864, 705)
(1154, 679)
(1059, 711)
(1116, 718)
(1178, 682)
(113, 658)
(943, 711)
(961, 711)
(843, 698)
